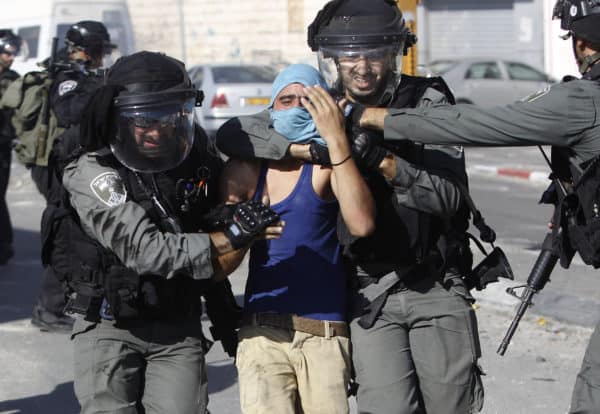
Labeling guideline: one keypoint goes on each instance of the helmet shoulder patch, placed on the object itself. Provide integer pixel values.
(66, 87)
(109, 188)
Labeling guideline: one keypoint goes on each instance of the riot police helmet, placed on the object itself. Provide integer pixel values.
(11, 45)
(91, 37)
(360, 46)
(153, 112)
(580, 18)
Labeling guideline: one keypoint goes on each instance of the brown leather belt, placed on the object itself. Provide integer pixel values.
(315, 327)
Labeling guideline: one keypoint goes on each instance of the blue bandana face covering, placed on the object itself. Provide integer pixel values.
(296, 124)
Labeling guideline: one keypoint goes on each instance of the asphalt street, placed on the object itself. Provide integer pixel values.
(535, 376)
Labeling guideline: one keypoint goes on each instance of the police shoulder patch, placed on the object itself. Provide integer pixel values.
(536, 95)
(109, 188)
(66, 87)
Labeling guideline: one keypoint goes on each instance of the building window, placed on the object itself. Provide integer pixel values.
(31, 35)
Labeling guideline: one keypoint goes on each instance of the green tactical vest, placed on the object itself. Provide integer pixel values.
(35, 131)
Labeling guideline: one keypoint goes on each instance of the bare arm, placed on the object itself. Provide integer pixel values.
(233, 184)
(356, 202)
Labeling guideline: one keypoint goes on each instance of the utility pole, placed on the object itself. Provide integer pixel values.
(409, 10)
(182, 32)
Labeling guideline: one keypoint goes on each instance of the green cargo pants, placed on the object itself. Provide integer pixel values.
(586, 394)
(421, 354)
(155, 365)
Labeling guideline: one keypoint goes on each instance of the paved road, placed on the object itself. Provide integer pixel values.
(536, 375)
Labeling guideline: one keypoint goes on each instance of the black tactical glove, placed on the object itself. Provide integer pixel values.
(248, 220)
(356, 112)
(319, 154)
(218, 218)
(365, 149)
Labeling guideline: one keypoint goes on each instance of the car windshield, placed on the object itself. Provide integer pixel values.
(438, 67)
(243, 74)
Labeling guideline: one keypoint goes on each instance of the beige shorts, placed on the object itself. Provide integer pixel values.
(283, 371)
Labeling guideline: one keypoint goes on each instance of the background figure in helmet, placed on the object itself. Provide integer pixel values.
(10, 46)
(414, 335)
(143, 220)
(75, 79)
(564, 116)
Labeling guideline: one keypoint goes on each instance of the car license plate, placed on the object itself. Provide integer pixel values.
(256, 100)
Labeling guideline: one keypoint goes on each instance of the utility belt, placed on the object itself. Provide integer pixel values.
(374, 291)
(407, 275)
(326, 329)
(123, 295)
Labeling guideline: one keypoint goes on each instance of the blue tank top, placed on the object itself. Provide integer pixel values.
(300, 273)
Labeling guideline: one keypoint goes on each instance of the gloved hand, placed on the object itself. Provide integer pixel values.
(249, 219)
(365, 149)
(355, 114)
(319, 154)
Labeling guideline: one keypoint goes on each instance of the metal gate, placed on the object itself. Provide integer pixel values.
(459, 28)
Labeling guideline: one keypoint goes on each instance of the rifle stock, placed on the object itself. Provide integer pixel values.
(43, 135)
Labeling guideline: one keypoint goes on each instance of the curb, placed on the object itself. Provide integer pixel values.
(520, 173)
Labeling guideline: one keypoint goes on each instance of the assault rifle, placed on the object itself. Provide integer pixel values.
(538, 277)
(540, 273)
(44, 129)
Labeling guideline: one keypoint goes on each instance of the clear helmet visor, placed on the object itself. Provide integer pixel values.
(361, 71)
(154, 138)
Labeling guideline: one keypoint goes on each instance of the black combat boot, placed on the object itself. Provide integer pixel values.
(6, 252)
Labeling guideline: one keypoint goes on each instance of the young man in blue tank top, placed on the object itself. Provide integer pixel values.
(293, 353)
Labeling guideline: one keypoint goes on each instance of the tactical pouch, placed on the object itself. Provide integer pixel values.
(122, 291)
(225, 315)
(586, 240)
(494, 265)
(581, 214)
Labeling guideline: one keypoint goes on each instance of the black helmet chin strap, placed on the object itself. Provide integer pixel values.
(587, 61)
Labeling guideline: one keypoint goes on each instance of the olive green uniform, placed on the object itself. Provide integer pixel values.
(7, 134)
(566, 116)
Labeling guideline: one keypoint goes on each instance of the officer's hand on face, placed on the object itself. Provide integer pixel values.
(329, 120)
(365, 149)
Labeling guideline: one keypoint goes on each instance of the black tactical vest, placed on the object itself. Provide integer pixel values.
(93, 272)
(575, 191)
(402, 236)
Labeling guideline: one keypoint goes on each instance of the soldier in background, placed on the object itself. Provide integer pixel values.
(10, 46)
(75, 79)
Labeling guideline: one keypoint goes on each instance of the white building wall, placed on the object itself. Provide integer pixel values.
(226, 30)
(559, 60)
(258, 31)
(509, 29)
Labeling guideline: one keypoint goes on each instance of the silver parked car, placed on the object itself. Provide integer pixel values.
(488, 81)
(231, 90)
